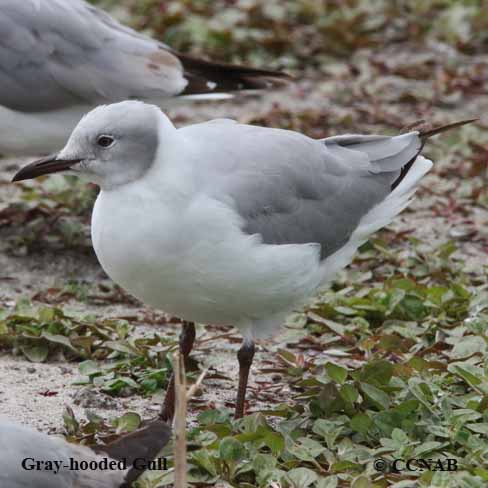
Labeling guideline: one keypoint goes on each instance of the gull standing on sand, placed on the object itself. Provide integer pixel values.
(61, 58)
(224, 223)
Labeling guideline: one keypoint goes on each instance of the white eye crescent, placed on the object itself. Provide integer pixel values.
(105, 141)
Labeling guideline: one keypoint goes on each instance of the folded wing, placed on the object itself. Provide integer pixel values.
(59, 53)
(291, 189)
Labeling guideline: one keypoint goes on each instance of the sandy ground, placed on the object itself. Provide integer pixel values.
(36, 394)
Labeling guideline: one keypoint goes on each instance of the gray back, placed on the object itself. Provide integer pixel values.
(57, 53)
(291, 189)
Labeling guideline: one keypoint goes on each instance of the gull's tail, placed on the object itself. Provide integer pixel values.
(425, 134)
(207, 79)
(387, 155)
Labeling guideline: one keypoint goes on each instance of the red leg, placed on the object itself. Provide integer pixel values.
(245, 357)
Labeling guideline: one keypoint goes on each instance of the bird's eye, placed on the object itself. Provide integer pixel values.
(105, 141)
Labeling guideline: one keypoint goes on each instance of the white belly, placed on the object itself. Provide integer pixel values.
(195, 263)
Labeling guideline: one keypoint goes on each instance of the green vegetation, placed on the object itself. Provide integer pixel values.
(55, 214)
(395, 368)
(129, 365)
(305, 33)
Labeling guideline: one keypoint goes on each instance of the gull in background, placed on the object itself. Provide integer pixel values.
(22, 448)
(232, 224)
(61, 58)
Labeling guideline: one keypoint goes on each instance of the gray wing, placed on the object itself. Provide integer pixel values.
(18, 443)
(291, 189)
(56, 53)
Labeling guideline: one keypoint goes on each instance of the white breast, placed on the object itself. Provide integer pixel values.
(192, 260)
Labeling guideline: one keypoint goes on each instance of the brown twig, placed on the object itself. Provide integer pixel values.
(180, 422)
(196, 385)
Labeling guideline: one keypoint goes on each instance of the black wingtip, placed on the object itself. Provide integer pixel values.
(205, 77)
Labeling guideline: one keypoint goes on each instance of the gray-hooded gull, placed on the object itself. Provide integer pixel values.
(225, 223)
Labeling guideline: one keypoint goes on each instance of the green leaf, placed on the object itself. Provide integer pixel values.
(127, 423)
(93, 417)
(420, 364)
(428, 447)
(361, 482)
(329, 399)
(306, 449)
(3, 328)
(253, 423)
(399, 436)
(263, 465)
(331, 481)
(349, 394)
(407, 407)
(361, 423)
(59, 339)
(70, 423)
(460, 291)
(225, 430)
(231, 449)
(468, 346)
(345, 466)
(264, 462)
(204, 437)
(335, 372)
(478, 428)
(275, 442)
(288, 357)
(421, 391)
(413, 307)
(339, 329)
(482, 473)
(345, 310)
(120, 384)
(470, 373)
(205, 460)
(36, 353)
(215, 416)
(302, 477)
(122, 347)
(376, 396)
(245, 436)
(377, 372)
(403, 284)
(47, 314)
